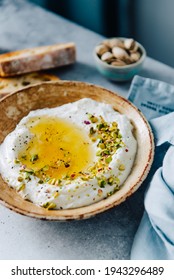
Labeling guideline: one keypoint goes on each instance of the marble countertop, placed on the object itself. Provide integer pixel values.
(108, 235)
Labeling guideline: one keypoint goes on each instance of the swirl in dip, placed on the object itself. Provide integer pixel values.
(70, 156)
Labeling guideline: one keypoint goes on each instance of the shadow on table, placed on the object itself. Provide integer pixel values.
(108, 235)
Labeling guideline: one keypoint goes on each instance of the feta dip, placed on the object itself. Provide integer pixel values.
(69, 156)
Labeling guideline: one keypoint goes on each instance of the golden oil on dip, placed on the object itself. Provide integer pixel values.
(58, 148)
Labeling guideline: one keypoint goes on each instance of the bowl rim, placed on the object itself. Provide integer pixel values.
(105, 204)
(129, 66)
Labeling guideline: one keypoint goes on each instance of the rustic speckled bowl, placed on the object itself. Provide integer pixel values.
(120, 73)
(51, 94)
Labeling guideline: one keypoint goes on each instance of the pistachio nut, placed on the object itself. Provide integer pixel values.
(119, 53)
(118, 62)
(114, 42)
(107, 57)
(135, 56)
(129, 44)
(101, 49)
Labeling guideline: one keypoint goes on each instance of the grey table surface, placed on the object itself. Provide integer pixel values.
(108, 235)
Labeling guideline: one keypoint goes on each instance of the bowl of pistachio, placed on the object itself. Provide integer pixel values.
(119, 59)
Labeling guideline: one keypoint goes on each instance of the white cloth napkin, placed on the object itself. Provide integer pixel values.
(155, 236)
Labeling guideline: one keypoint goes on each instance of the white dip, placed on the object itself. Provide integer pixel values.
(70, 156)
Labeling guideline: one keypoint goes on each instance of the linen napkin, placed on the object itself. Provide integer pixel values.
(155, 236)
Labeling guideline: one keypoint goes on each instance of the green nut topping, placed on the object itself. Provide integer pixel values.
(92, 131)
(109, 141)
(101, 183)
(121, 167)
(16, 161)
(21, 188)
(49, 205)
(34, 158)
(20, 179)
(92, 118)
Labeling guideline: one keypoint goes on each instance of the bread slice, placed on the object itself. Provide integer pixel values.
(35, 59)
(8, 85)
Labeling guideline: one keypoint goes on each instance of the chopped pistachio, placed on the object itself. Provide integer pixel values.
(47, 179)
(98, 153)
(112, 128)
(91, 168)
(121, 167)
(34, 158)
(85, 178)
(40, 181)
(52, 181)
(20, 179)
(105, 152)
(117, 181)
(101, 146)
(21, 188)
(93, 139)
(93, 119)
(113, 191)
(114, 134)
(110, 181)
(46, 204)
(49, 205)
(100, 126)
(102, 183)
(108, 159)
(27, 176)
(92, 131)
(67, 182)
(100, 192)
(27, 171)
(58, 182)
(45, 168)
(114, 124)
(56, 194)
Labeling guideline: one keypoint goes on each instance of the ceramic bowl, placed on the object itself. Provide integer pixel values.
(51, 94)
(120, 73)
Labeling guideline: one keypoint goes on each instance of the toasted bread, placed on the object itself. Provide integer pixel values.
(8, 85)
(35, 59)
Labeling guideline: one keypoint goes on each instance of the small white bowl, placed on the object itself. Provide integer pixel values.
(120, 73)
